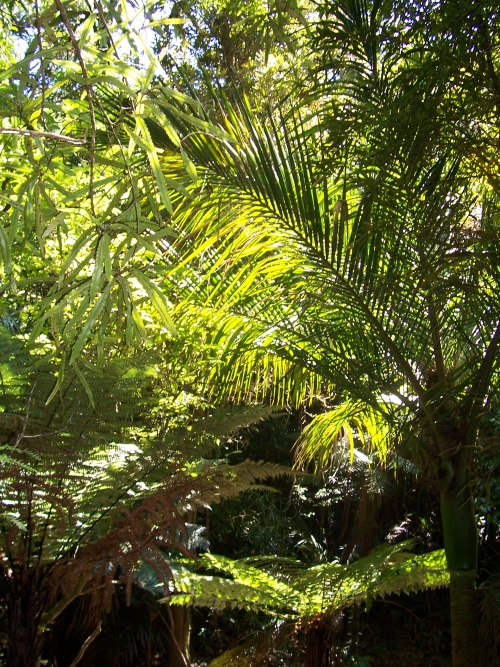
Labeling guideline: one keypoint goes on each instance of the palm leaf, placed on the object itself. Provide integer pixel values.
(355, 262)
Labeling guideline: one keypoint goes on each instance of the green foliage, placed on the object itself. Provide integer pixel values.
(84, 224)
(90, 448)
(286, 588)
(320, 439)
(347, 248)
(86, 496)
(354, 250)
(252, 45)
(309, 597)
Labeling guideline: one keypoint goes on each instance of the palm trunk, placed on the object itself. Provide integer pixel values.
(460, 543)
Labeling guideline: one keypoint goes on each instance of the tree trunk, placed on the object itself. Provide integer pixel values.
(460, 543)
(23, 644)
(319, 641)
(367, 514)
(180, 628)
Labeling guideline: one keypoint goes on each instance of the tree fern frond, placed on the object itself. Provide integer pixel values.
(77, 477)
(224, 421)
(224, 481)
(217, 593)
(326, 588)
(385, 571)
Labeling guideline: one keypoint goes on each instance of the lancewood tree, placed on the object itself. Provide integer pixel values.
(354, 244)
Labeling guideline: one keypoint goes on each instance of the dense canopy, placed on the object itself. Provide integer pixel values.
(218, 213)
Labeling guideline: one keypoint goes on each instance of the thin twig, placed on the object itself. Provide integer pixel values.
(111, 124)
(45, 135)
(42, 67)
(106, 27)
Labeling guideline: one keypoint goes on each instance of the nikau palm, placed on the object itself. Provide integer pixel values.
(360, 250)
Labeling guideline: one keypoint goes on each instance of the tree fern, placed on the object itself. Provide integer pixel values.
(260, 585)
(85, 497)
(291, 592)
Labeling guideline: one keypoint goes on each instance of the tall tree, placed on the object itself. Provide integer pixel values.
(359, 248)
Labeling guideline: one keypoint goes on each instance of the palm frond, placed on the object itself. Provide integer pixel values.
(322, 274)
(321, 441)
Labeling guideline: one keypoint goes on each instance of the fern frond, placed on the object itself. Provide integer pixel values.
(76, 477)
(219, 593)
(321, 589)
(224, 421)
(206, 434)
(223, 481)
(386, 570)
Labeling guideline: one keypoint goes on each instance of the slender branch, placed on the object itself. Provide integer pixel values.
(42, 67)
(44, 135)
(86, 644)
(46, 527)
(106, 27)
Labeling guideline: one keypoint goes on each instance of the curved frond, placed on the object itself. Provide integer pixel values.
(338, 428)
(359, 275)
